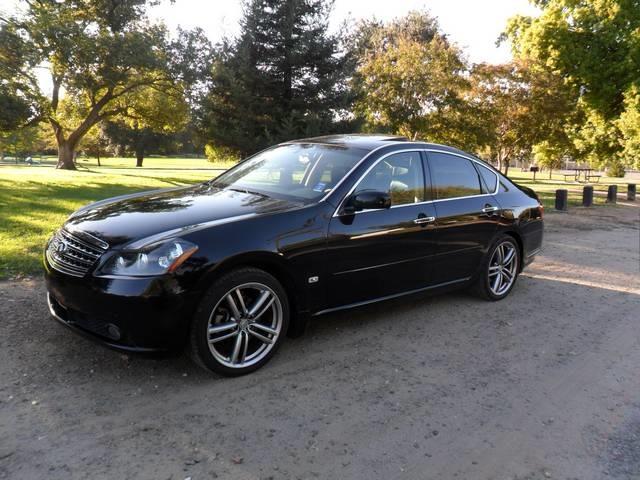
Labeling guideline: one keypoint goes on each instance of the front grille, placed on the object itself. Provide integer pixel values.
(70, 254)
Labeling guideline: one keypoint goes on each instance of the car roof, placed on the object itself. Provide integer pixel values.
(372, 141)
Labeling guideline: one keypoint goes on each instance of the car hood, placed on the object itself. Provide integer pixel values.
(134, 220)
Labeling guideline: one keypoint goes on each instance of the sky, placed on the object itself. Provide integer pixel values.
(473, 24)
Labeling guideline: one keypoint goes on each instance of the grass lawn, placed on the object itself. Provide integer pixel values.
(546, 188)
(35, 200)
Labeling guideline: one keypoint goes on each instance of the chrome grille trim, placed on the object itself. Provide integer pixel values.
(77, 255)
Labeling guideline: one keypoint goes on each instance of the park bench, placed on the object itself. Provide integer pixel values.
(570, 175)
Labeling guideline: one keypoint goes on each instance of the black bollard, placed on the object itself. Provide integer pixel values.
(612, 194)
(631, 192)
(587, 196)
(561, 200)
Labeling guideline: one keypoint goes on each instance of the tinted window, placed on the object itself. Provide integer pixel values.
(490, 179)
(400, 175)
(453, 176)
(303, 172)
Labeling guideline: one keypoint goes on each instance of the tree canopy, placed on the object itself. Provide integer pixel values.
(594, 46)
(100, 53)
(281, 78)
(409, 77)
(119, 79)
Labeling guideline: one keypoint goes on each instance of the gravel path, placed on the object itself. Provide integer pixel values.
(542, 385)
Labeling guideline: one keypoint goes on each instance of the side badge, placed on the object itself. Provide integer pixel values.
(313, 279)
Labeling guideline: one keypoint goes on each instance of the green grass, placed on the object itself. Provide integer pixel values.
(36, 200)
(546, 188)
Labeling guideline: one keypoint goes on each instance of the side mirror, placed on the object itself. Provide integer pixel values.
(367, 200)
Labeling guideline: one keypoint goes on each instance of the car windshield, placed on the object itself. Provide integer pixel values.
(301, 172)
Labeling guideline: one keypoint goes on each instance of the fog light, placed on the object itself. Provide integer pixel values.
(113, 331)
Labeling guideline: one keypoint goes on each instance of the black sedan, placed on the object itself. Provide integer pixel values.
(308, 227)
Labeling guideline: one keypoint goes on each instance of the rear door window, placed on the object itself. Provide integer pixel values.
(453, 176)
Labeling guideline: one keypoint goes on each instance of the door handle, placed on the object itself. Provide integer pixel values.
(421, 220)
(490, 209)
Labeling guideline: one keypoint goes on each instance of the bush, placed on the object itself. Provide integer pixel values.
(216, 154)
(615, 170)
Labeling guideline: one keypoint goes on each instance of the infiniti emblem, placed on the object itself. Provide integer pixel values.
(62, 247)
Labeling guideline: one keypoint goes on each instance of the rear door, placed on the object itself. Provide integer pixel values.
(381, 252)
(467, 216)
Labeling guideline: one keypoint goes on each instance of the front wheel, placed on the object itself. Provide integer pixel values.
(499, 270)
(240, 322)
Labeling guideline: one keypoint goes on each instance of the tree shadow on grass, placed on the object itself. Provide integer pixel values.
(29, 215)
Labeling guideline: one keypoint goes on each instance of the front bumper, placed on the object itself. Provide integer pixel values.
(129, 314)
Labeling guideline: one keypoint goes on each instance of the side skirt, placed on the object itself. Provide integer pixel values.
(389, 297)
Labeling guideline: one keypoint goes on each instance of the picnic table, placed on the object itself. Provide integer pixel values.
(582, 172)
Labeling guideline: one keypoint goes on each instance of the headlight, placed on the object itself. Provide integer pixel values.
(155, 260)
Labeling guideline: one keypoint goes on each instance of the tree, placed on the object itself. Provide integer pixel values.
(282, 78)
(593, 46)
(409, 78)
(548, 155)
(517, 108)
(96, 142)
(22, 142)
(146, 119)
(14, 110)
(629, 125)
(99, 53)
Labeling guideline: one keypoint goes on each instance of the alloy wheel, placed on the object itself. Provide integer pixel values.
(503, 268)
(244, 325)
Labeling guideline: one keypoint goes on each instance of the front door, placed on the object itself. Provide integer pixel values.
(467, 217)
(382, 252)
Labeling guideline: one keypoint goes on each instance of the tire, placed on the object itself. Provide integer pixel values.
(486, 284)
(232, 346)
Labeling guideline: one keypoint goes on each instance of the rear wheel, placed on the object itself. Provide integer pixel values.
(240, 322)
(499, 270)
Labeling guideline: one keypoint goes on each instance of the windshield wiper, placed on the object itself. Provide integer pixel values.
(246, 190)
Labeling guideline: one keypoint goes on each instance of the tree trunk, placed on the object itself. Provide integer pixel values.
(139, 158)
(550, 170)
(65, 156)
(506, 168)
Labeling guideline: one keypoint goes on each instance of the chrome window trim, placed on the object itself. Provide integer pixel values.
(417, 149)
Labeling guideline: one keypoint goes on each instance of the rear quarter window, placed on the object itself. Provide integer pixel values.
(489, 179)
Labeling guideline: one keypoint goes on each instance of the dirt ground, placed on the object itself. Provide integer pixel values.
(545, 384)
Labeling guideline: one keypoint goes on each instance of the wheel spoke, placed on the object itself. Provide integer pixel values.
(223, 337)
(265, 307)
(497, 282)
(241, 301)
(245, 341)
(236, 348)
(232, 305)
(264, 296)
(264, 328)
(499, 255)
(494, 270)
(221, 327)
(260, 337)
(510, 254)
(508, 274)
